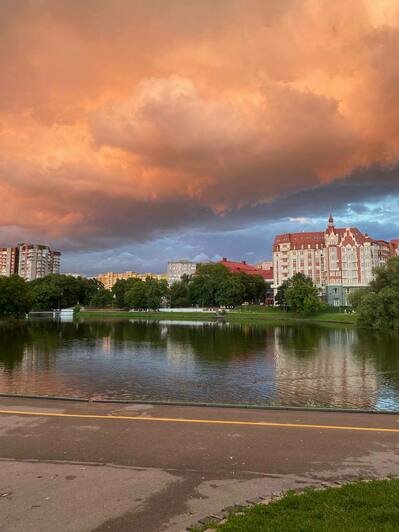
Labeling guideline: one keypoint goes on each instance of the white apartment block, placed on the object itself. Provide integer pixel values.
(36, 261)
(178, 268)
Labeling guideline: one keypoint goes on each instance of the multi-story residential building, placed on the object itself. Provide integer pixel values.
(395, 247)
(109, 279)
(8, 261)
(264, 265)
(178, 268)
(337, 259)
(36, 260)
(244, 267)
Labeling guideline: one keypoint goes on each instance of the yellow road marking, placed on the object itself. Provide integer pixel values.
(203, 421)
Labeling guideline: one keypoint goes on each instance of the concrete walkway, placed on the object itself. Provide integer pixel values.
(83, 467)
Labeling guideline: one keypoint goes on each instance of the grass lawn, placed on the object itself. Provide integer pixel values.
(276, 314)
(147, 315)
(361, 506)
(234, 316)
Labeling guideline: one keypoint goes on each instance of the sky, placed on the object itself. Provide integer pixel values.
(133, 132)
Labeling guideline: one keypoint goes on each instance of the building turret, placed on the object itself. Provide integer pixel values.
(331, 222)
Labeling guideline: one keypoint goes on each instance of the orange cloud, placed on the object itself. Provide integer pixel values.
(154, 105)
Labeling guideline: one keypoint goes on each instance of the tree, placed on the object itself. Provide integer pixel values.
(88, 288)
(121, 287)
(61, 291)
(15, 298)
(281, 299)
(301, 295)
(356, 297)
(205, 284)
(136, 296)
(101, 299)
(230, 292)
(179, 294)
(155, 292)
(377, 305)
(254, 288)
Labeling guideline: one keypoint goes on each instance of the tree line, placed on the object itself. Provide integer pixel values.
(17, 297)
(212, 285)
(376, 305)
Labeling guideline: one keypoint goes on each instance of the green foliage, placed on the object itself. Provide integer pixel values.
(255, 288)
(377, 306)
(62, 291)
(15, 298)
(356, 296)
(205, 284)
(155, 292)
(214, 285)
(281, 300)
(301, 295)
(230, 292)
(121, 287)
(179, 294)
(101, 299)
(136, 296)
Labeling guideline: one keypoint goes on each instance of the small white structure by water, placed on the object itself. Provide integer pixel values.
(66, 314)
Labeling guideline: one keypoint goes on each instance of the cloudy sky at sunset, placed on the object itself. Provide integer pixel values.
(137, 131)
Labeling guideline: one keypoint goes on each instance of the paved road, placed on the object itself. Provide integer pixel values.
(99, 467)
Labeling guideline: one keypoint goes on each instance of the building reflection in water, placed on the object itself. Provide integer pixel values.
(320, 368)
(297, 365)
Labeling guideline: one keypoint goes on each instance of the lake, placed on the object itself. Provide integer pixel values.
(284, 365)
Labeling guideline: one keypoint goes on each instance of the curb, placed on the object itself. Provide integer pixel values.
(243, 406)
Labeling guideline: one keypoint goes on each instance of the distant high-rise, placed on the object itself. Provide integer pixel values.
(178, 268)
(8, 261)
(36, 261)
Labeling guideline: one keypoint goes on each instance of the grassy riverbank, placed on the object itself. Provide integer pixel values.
(359, 506)
(236, 316)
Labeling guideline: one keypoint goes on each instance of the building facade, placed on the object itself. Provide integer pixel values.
(8, 261)
(178, 268)
(36, 261)
(264, 265)
(110, 278)
(338, 260)
(244, 267)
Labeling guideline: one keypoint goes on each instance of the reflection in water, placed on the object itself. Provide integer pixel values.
(294, 365)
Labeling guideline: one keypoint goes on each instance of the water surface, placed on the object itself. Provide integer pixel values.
(291, 365)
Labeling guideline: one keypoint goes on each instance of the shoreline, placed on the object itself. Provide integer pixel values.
(230, 317)
(193, 404)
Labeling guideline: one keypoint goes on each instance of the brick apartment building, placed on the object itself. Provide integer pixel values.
(338, 260)
(110, 278)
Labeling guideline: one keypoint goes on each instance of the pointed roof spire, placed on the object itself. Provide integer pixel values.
(331, 221)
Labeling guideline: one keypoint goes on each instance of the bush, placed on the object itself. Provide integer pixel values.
(301, 295)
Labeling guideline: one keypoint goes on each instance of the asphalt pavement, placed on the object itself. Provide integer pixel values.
(80, 467)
